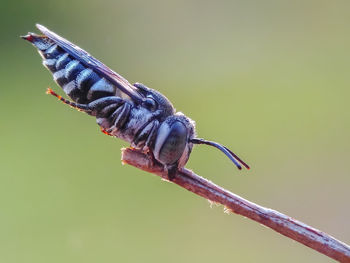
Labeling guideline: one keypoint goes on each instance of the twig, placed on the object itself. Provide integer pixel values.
(279, 222)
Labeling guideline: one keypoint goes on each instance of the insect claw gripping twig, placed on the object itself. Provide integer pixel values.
(104, 131)
(77, 106)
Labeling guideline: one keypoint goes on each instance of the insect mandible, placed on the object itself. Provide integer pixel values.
(134, 113)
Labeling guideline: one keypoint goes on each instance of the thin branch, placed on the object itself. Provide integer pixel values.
(277, 221)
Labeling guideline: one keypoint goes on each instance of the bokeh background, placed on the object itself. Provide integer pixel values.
(269, 79)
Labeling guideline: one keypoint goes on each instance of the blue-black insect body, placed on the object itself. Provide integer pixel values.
(135, 113)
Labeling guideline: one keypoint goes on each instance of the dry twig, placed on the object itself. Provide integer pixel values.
(279, 222)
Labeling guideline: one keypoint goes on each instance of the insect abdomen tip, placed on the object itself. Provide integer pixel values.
(28, 37)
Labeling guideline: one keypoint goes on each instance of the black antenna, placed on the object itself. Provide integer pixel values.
(233, 157)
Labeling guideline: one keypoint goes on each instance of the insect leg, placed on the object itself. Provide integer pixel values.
(146, 134)
(121, 115)
(99, 106)
(105, 132)
(172, 170)
(79, 107)
(114, 115)
(151, 137)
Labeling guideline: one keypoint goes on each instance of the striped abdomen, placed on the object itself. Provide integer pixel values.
(79, 82)
(116, 114)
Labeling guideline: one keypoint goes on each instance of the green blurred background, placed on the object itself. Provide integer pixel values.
(269, 79)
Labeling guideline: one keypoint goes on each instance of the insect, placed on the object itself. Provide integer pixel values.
(134, 113)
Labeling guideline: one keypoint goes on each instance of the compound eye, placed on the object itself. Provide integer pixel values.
(150, 104)
(170, 142)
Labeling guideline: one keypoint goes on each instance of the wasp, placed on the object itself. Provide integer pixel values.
(134, 113)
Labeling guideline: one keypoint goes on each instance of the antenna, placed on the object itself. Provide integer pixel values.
(233, 157)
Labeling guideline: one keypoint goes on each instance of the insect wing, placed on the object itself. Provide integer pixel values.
(84, 57)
